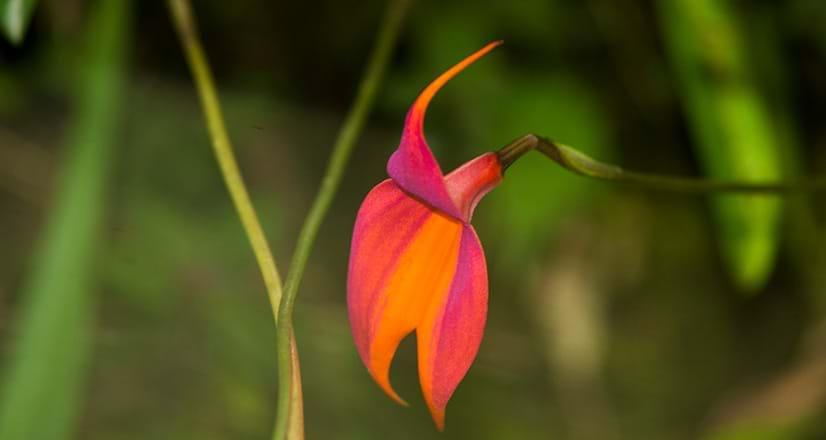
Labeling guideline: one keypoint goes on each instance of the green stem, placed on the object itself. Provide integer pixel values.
(188, 33)
(576, 161)
(342, 150)
(185, 24)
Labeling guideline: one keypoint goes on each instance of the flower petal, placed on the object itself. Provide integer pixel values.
(449, 336)
(471, 181)
(412, 166)
(402, 256)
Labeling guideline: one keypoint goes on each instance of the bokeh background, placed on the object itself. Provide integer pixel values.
(131, 306)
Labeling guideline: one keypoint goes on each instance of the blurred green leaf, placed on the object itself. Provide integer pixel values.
(15, 16)
(773, 64)
(42, 397)
(734, 134)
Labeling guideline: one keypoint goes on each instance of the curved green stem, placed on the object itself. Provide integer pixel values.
(584, 165)
(185, 25)
(188, 33)
(342, 150)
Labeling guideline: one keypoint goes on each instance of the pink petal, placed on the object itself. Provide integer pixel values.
(412, 166)
(470, 182)
(450, 334)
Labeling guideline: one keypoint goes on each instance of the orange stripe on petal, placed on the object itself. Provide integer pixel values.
(419, 108)
(403, 253)
(424, 272)
(386, 221)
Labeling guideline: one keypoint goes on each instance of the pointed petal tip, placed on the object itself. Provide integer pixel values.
(384, 384)
(439, 419)
(496, 43)
(427, 94)
(437, 413)
(449, 336)
(379, 369)
(412, 166)
(393, 395)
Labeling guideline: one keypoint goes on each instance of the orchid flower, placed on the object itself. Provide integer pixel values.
(416, 263)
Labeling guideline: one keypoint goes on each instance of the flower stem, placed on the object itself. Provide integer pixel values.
(342, 149)
(188, 33)
(185, 24)
(578, 162)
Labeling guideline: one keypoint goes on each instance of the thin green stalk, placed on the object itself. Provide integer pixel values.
(342, 150)
(184, 21)
(576, 161)
(188, 33)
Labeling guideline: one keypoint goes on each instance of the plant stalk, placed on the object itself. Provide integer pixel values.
(188, 33)
(578, 162)
(184, 22)
(342, 149)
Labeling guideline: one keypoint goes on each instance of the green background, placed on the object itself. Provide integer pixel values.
(131, 306)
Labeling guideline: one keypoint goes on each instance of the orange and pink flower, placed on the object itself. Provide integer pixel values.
(416, 263)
